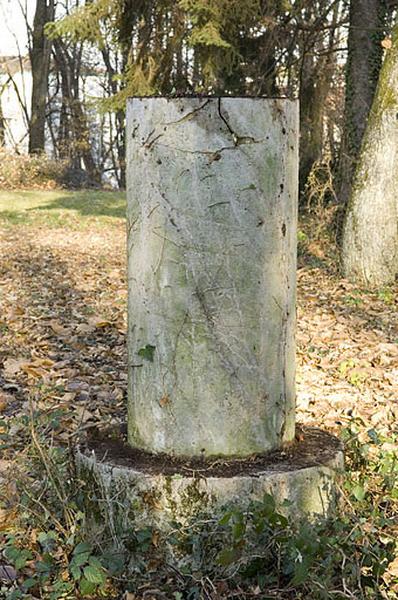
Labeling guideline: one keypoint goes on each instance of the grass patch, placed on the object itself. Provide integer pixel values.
(61, 208)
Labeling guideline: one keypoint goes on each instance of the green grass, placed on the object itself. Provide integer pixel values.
(61, 208)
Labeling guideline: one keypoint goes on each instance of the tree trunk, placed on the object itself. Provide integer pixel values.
(74, 140)
(370, 235)
(40, 60)
(365, 53)
(2, 125)
(316, 76)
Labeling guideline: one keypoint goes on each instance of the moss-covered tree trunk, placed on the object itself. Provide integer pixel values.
(370, 235)
(2, 125)
(365, 53)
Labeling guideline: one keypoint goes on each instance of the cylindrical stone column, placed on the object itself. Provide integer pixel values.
(212, 208)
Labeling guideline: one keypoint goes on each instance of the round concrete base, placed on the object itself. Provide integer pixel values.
(127, 490)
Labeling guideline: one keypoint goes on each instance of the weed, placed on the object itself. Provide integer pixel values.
(256, 552)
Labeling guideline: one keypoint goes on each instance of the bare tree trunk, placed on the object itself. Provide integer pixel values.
(365, 53)
(370, 235)
(74, 140)
(2, 125)
(316, 76)
(40, 60)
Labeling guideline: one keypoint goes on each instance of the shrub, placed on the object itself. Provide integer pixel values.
(35, 172)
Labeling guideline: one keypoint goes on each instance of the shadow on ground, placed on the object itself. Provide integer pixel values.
(89, 203)
(47, 293)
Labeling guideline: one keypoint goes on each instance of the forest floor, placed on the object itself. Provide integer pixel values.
(63, 323)
(63, 318)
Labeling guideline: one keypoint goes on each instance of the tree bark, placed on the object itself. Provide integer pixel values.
(74, 135)
(365, 53)
(2, 125)
(370, 235)
(40, 61)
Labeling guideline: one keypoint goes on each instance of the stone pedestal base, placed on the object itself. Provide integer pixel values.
(128, 490)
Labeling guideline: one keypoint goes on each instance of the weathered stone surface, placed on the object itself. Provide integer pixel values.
(212, 197)
(127, 499)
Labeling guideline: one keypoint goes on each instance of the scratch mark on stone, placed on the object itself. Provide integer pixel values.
(145, 141)
(189, 115)
(152, 211)
(149, 145)
(177, 340)
(131, 225)
(155, 270)
(238, 139)
(228, 365)
(163, 237)
(218, 203)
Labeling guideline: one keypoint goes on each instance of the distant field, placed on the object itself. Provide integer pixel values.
(61, 208)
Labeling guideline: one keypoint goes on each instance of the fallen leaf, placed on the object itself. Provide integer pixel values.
(7, 573)
(387, 43)
(33, 372)
(85, 328)
(77, 386)
(7, 518)
(102, 324)
(5, 399)
(58, 329)
(12, 366)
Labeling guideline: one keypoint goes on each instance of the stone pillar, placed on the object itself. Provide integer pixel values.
(212, 200)
(212, 208)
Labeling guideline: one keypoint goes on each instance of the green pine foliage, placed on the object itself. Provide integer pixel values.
(188, 46)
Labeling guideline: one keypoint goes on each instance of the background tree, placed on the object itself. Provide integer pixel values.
(2, 124)
(272, 47)
(370, 236)
(367, 29)
(40, 53)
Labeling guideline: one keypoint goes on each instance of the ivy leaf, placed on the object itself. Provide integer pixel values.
(80, 559)
(228, 556)
(75, 572)
(82, 547)
(93, 574)
(226, 518)
(238, 530)
(87, 587)
(359, 492)
(147, 352)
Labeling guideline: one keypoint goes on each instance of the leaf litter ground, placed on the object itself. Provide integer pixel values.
(63, 326)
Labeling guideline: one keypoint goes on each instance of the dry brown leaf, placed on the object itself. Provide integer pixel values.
(7, 518)
(83, 415)
(85, 328)
(387, 43)
(58, 329)
(34, 372)
(102, 324)
(7, 573)
(68, 397)
(391, 572)
(5, 399)
(12, 366)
